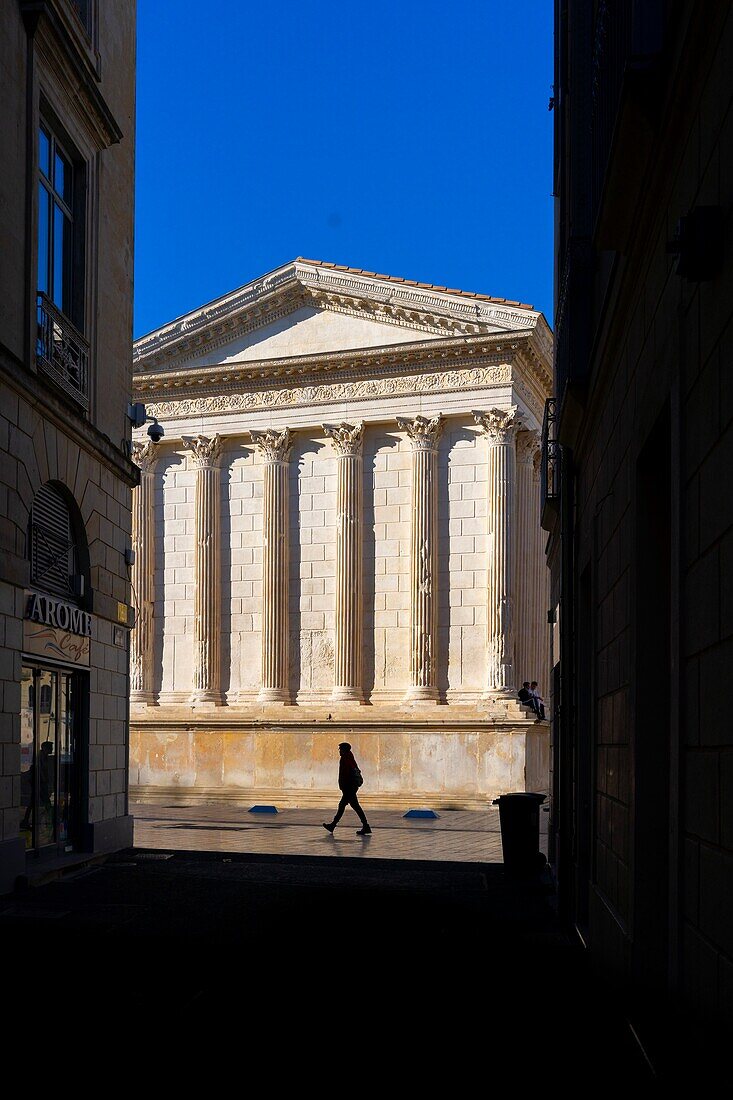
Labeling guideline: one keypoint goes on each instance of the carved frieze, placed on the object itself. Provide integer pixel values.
(359, 390)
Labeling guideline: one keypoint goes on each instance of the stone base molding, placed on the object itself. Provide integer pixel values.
(418, 762)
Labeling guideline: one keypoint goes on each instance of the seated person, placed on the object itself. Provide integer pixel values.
(525, 696)
(539, 702)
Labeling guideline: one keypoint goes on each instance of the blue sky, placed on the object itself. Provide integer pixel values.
(405, 137)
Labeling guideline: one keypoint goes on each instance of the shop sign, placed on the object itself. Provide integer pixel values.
(56, 629)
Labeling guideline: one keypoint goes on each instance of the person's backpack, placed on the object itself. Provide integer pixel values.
(358, 777)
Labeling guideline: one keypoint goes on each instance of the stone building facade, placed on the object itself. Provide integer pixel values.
(338, 539)
(638, 446)
(66, 203)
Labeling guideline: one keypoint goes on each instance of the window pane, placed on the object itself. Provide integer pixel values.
(27, 762)
(47, 758)
(61, 259)
(44, 153)
(44, 240)
(66, 759)
(62, 176)
(82, 8)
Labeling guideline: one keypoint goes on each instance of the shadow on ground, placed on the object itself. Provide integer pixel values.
(440, 975)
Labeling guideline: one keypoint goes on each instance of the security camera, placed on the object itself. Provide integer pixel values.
(155, 431)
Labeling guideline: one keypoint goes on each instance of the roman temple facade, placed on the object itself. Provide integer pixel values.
(338, 538)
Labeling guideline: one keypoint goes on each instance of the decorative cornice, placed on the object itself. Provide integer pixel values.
(216, 378)
(75, 67)
(347, 438)
(528, 445)
(365, 389)
(274, 445)
(144, 455)
(533, 378)
(296, 284)
(204, 451)
(424, 434)
(500, 426)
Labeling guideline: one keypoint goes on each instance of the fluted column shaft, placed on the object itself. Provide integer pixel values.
(347, 440)
(526, 611)
(424, 437)
(207, 586)
(275, 447)
(143, 576)
(501, 429)
(541, 593)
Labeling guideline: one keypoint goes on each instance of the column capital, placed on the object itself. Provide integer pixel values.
(205, 451)
(528, 446)
(500, 426)
(537, 464)
(424, 434)
(274, 445)
(346, 438)
(144, 454)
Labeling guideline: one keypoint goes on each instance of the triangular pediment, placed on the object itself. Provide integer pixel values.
(305, 331)
(311, 308)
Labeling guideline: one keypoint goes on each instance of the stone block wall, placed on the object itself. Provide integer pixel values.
(459, 768)
(670, 360)
(462, 564)
(34, 452)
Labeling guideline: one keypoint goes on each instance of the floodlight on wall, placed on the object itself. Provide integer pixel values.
(137, 415)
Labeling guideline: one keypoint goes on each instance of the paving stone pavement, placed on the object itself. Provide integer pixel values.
(460, 836)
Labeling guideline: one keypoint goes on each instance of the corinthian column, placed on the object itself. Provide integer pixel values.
(347, 441)
(143, 574)
(500, 428)
(526, 612)
(424, 436)
(275, 448)
(207, 592)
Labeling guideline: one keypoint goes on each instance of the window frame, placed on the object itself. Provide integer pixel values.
(72, 297)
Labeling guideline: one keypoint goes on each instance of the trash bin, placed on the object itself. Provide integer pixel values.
(519, 817)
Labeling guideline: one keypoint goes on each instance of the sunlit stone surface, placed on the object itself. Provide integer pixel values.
(365, 540)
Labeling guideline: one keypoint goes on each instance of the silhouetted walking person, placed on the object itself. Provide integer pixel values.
(349, 782)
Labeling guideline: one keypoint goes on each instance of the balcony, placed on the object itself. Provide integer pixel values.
(62, 353)
(550, 462)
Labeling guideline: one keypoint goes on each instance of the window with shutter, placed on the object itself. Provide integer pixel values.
(52, 550)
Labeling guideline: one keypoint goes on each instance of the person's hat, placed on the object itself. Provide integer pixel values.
(344, 745)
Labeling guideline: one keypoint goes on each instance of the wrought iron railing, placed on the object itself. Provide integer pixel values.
(551, 454)
(62, 353)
